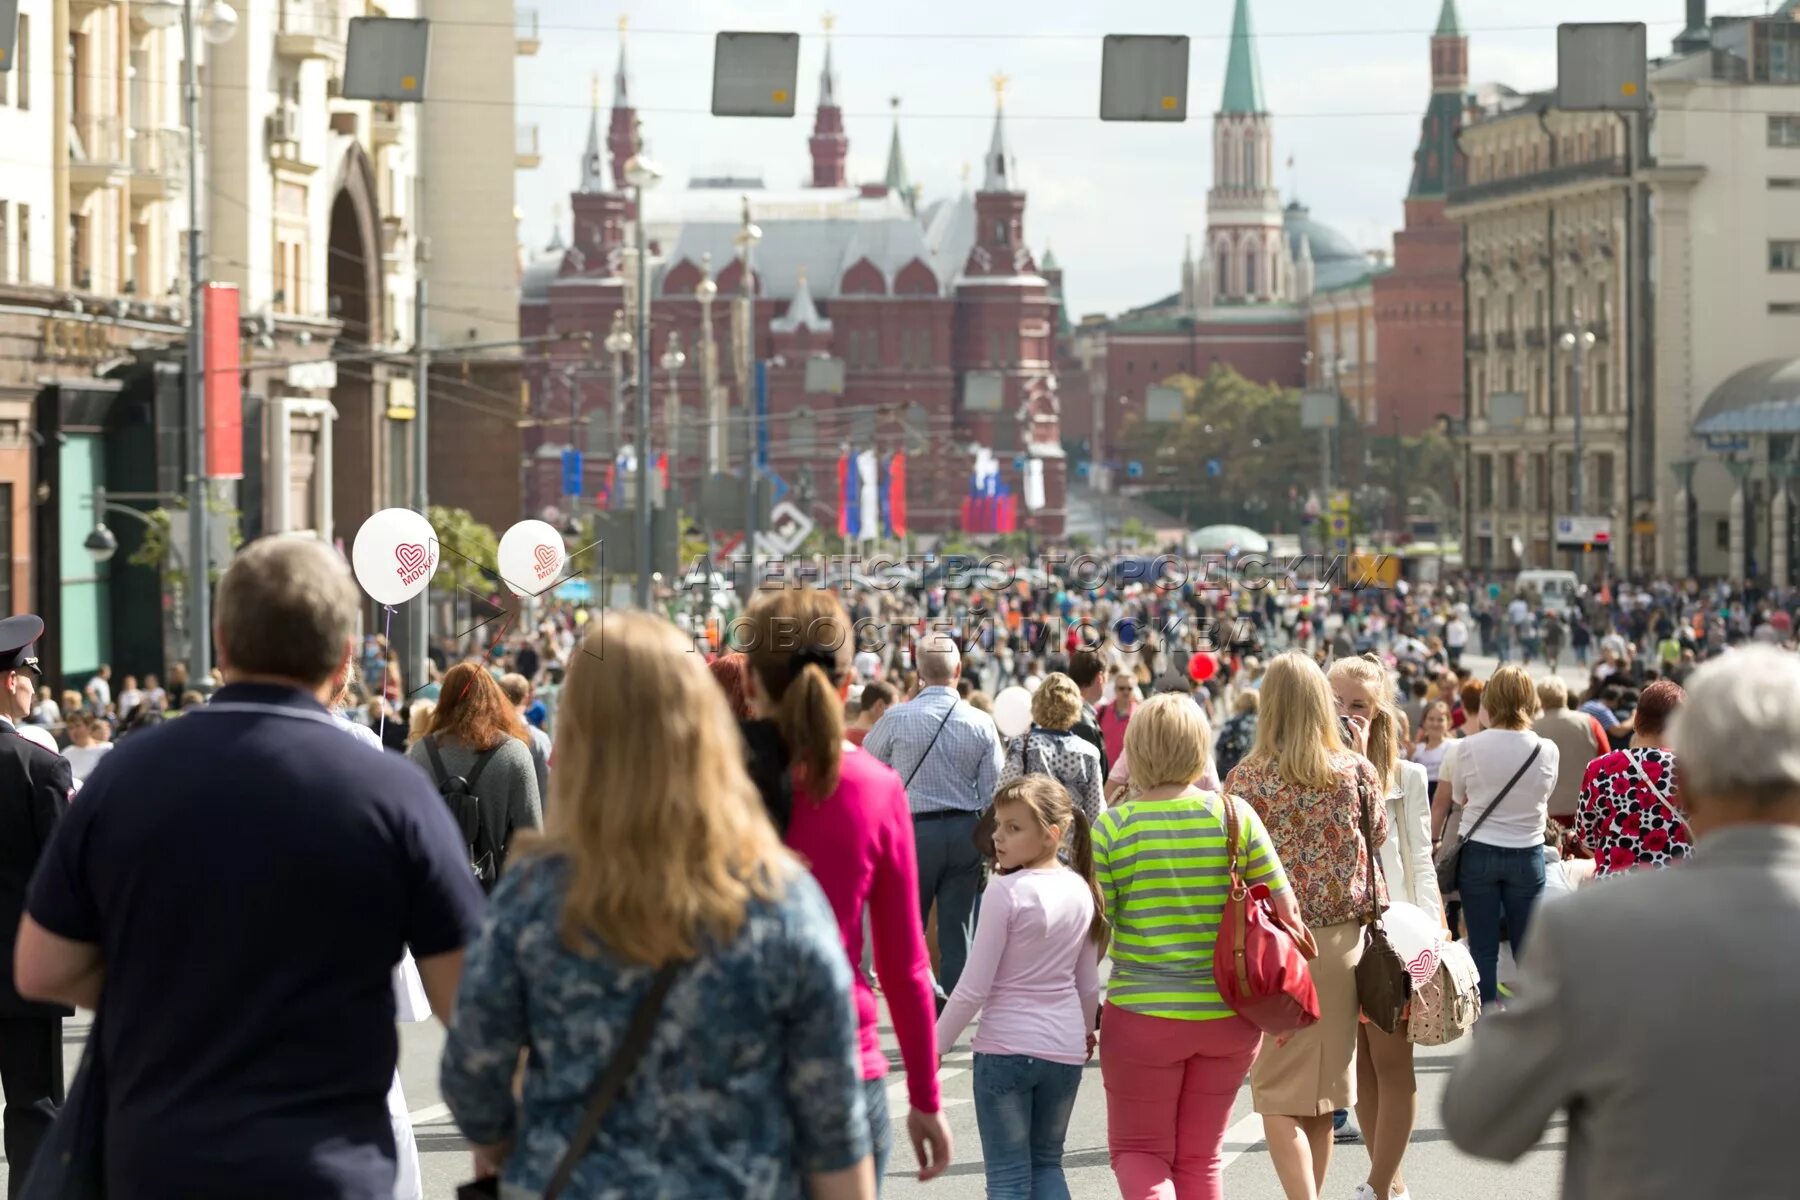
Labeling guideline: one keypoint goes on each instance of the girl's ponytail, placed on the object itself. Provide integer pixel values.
(1081, 854)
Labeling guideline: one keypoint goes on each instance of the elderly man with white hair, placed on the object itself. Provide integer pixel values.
(949, 755)
(1670, 991)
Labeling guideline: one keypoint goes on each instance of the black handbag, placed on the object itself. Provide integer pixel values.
(1450, 863)
(1383, 986)
(71, 1160)
(606, 1091)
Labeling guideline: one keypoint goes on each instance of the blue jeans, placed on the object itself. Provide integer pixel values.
(881, 1126)
(1022, 1108)
(1498, 882)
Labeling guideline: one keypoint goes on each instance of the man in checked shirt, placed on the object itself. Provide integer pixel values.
(949, 755)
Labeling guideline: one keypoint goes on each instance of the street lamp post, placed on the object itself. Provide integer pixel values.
(1577, 342)
(618, 345)
(706, 291)
(673, 360)
(643, 175)
(216, 23)
(744, 323)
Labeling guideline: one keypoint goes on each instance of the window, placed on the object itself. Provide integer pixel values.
(1250, 273)
(1783, 182)
(24, 268)
(1603, 480)
(1510, 468)
(1249, 162)
(1602, 400)
(1568, 488)
(1540, 399)
(1784, 256)
(1540, 482)
(1484, 481)
(1784, 308)
(1722, 534)
(1784, 130)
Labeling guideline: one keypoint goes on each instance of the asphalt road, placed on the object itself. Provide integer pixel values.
(1434, 1169)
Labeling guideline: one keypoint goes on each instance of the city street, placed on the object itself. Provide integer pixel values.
(1435, 1170)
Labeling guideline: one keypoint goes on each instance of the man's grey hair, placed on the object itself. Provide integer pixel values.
(287, 608)
(1739, 731)
(938, 659)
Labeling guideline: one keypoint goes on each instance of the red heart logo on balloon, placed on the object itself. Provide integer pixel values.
(546, 556)
(411, 556)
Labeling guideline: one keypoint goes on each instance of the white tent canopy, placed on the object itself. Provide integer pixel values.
(1227, 539)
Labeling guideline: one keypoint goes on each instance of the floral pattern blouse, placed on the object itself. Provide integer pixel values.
(1627, 815)
(1318, 835)
(753, 1077)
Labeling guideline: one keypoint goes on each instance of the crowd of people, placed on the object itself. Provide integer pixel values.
(660, 891)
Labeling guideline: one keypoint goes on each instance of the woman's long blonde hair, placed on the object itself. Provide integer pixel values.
(1297, 730)
(666, 837)
(1385, 722)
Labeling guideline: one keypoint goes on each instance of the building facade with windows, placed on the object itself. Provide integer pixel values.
(1727, 260)
(1544, 211)
(93, 193)
(885, 324)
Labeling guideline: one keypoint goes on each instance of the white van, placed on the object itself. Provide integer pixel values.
(1557, 590)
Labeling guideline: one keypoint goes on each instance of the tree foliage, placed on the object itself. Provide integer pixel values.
(155, 550)
(1251, 431)
(467, 550)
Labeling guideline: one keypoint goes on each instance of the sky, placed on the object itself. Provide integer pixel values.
(1115, 200)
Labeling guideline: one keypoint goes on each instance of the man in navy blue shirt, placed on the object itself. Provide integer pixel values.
(232, 891)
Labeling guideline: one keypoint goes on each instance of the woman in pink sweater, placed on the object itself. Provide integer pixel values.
(849, 819)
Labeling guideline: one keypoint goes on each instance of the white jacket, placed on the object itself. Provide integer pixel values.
(1406, 855)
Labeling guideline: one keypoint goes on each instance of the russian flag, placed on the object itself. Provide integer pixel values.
(868, 483)
(850, 502)
(893, 496)
(662, 468)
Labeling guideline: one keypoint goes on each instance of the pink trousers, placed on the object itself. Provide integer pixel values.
(1170, 1087)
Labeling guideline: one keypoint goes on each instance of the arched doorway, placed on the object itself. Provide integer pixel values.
(359, 474)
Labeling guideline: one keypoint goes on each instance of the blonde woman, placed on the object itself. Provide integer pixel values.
(1501, 784)
(1309, 787)
(418, 720)
(659, 868)
(1049, 748)
(1387, 1087)
(1174, 1053)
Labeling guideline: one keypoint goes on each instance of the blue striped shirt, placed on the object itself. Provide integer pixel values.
(960, 772)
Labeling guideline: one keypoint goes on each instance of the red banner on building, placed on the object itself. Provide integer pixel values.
(223, 388)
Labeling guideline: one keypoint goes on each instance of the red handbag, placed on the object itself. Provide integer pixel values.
(1259, 960)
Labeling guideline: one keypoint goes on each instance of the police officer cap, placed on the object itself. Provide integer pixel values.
(18, 635)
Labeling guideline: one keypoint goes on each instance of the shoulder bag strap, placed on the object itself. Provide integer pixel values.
(612, 1080)
(438, 771)
(930, 746)
(1644, 775)
(1368, 832)
(481, 762)
(1229, 805)
(1489, 810)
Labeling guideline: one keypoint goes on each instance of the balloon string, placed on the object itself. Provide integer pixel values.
(387, 629)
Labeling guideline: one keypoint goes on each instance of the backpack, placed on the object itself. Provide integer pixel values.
(1447, 1005)
(465, 809)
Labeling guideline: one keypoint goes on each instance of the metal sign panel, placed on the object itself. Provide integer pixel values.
(825, 376)
(1164, 405)
(1319, 410)
(1143, 77)
(386, 58)
(1602, 66)
(1583, 531)
(1506, 412)
(9, 32)
(983, 391)
(754, 74)
(788, 528)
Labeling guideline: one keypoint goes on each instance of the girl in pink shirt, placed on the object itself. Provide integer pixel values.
(1034, 975)
(847, 817)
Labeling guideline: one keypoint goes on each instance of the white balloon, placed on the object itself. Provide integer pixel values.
(531, 558)
(1012, 711)
(1417, 937)
(394, 555)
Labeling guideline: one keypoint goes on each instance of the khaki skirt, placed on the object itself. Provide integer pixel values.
(1314, 1073)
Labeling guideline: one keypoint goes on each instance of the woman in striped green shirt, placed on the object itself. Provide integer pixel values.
(1170, 1042)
